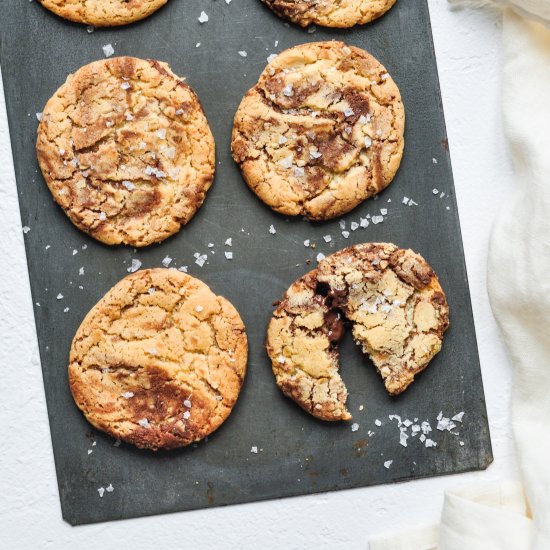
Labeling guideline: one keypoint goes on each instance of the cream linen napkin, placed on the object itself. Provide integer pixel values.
(496, 516)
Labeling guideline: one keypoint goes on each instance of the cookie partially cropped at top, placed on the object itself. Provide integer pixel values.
(159, 362)
(103, 13)
(126, 150)
(397, 310)
(321, 131)
(328, 13)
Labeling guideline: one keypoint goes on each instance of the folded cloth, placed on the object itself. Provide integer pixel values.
(497, 516)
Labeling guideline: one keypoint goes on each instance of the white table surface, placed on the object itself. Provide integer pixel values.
(468, 54)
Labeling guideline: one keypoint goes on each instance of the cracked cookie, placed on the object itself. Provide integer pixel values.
(160, 360)
(126, 151)
(397, 311)
(103, 13)
(328, 13)
(321, 131)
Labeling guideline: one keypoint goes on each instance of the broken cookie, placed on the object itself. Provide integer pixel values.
(397, 311)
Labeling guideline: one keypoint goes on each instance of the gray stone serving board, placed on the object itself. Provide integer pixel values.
(296, 453)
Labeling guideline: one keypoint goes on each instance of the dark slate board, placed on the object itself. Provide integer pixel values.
(297, 454)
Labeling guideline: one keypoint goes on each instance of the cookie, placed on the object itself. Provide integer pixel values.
(126, 151)
(103, 13)
(328, 13)
(321, 131)
(159, 362)
(394, 304)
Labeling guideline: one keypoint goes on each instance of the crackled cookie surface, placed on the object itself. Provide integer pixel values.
(159, 362)
(397, 310)
(321, 131)
(330, 13)
(103, 13)
(126, 150)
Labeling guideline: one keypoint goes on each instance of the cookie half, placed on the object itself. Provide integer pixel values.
(159, 362)
(126, 150)
(322, 131)
(103, 13)
(394, 304)
(328, 13)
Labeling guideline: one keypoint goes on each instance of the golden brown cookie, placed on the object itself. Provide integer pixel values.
(321, 131)
(330, 13)
(103, 13)
(126, 150)
(160, 360)
(397, 310)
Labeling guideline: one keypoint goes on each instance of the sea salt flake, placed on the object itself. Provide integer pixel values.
(271, 57)
(299, 172)
(345, 234)
(426, 428)
(320, 256)
(368, 142)
(199, 308)
(26, 229)
(143, 422)
(203, 18)
(128, 395)
(288, 91)
(272, 229)
(129, 185)
(354, 226)
(229, 255)
(125, 85)
(187, 403)
(101, 492)
(354, 427)
(348, 112)
(307, 242)
(60, 296)
(108, 50)
(327, 238)
(430, 443)
(136, 264)
(458, 417)
(110, 488)
(254, 449)
(287, 162)
(403, 439)
(166, 261)
(387, 464)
